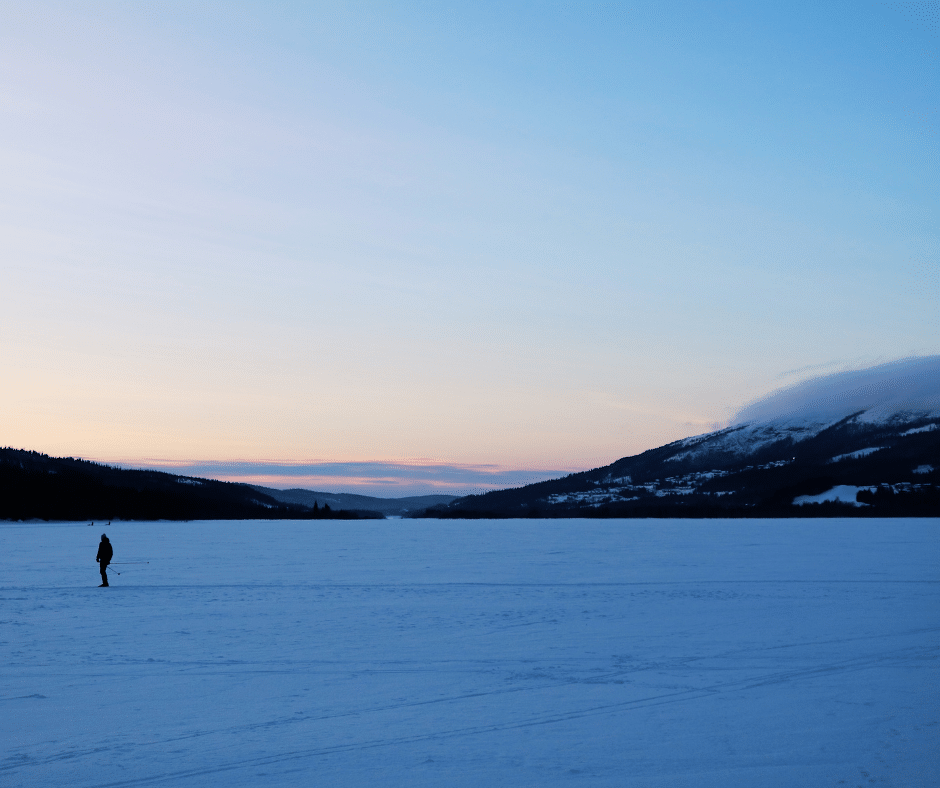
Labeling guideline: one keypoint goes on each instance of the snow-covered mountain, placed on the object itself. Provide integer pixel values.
(868, 439)
(894, 394)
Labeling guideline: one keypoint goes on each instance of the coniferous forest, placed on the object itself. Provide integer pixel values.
(36, 486)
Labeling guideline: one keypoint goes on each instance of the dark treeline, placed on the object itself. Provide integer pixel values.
(36, 486)
(879, 504)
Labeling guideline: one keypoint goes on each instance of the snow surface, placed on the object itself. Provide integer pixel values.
(742, 440)
(451, 653)
(927, 428)
(843, 492)
(854, 455)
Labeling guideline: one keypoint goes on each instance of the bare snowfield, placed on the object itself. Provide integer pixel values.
(473, 653)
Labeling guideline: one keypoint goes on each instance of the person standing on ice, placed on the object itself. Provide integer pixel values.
(105, 554)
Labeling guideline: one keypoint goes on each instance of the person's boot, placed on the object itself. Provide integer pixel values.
(103, 585)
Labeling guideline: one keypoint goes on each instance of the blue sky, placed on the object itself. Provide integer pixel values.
(528, 238)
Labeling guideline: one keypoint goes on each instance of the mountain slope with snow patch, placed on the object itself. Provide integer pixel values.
(875, 430)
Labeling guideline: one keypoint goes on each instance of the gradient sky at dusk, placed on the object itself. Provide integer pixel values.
(402, 247)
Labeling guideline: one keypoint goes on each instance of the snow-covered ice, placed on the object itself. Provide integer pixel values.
(473, 653)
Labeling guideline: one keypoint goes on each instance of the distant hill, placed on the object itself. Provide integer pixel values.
(863, 443)
(36, 486)
(387, 506)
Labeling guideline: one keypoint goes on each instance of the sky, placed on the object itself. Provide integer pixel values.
(407, 247)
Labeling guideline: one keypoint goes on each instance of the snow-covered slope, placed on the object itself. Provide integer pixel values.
(893, 394)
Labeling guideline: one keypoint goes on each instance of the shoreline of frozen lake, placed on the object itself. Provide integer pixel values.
(512, 653)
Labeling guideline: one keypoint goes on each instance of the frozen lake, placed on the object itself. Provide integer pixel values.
(484, 653)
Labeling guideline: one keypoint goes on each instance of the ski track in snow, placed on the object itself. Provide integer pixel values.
(560, 652)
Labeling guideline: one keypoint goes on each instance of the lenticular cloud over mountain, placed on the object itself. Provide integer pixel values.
(908, 386)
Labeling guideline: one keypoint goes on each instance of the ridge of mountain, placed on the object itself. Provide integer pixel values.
(863, 442)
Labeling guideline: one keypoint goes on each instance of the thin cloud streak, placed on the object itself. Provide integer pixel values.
(365, 477)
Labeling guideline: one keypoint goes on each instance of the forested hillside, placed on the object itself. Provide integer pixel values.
(36, 486)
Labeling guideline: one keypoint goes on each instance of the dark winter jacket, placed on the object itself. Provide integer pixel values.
(105, 551)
